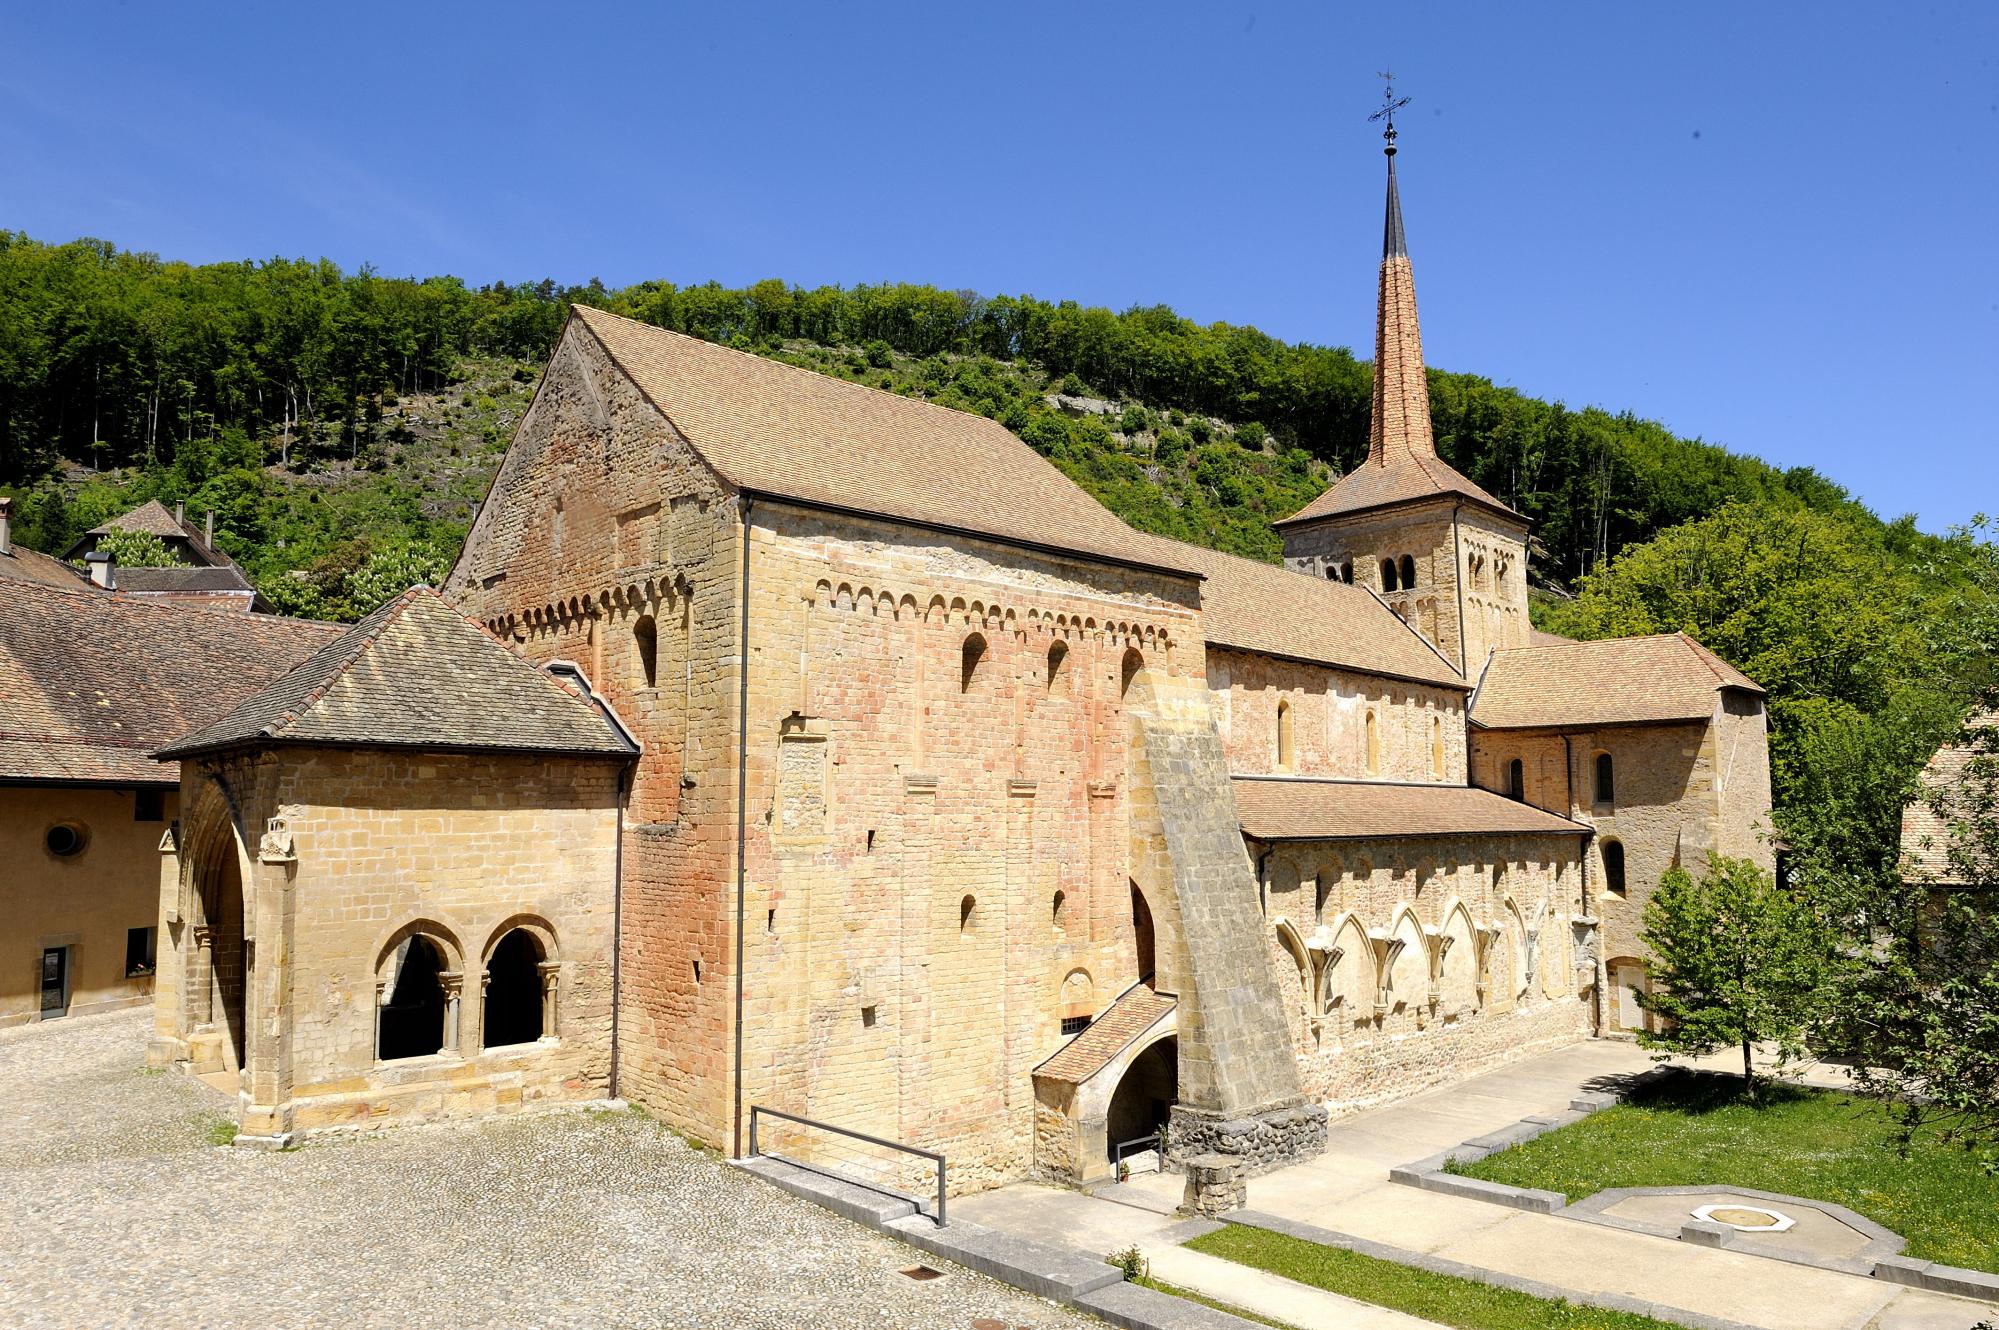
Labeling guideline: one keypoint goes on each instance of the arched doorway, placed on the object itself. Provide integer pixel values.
(1141, 931)
(219, 934)
(513, 990)
(1144, 1096)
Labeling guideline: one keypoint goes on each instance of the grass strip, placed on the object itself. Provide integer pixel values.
(1695, 1129)
(1447, 1299)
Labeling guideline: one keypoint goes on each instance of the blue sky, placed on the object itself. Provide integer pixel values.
(1773, 227)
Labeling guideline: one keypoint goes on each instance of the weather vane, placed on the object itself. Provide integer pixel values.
(1390, 104)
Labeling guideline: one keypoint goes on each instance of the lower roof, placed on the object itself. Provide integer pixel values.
(1612, 681)
(1292, 808)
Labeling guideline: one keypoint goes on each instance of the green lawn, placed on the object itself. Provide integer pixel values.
(1689, 1129)
(1443, 1298)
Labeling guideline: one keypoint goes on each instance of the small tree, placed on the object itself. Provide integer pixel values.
(1735, 963)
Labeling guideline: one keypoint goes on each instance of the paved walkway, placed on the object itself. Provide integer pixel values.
(117, 1210)
(1347, 1190)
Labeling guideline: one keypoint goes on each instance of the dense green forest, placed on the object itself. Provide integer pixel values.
(344, 425)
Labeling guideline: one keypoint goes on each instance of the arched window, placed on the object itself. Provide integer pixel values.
(410, 1020)
(1373, 728)
(1613, 867)
(1408, 571)
(965, 910)
(1061, 899)
(1516, 780)
(1058, 656)
(972, 657)
(514, 991)
(1285, 754)
(1388, 574)
(645, 636)
(1437, 747)
(1346, 572)
(1606, 782)
(1134, 664)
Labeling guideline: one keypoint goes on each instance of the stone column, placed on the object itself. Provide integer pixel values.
(1215, 1186)
(550, 972)
(453, 984)
(201, 1009)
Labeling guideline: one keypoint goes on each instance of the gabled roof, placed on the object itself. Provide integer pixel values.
(1401, 478)
(415, 673)
(92, 683)
(1288, 808)
(22, 564)
(1126, 1020)
(150, 517)
(1276, 611)
(780, 430)
(183, 579)
(1614, 681)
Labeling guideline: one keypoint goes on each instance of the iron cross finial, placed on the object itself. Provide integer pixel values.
(1390, 104)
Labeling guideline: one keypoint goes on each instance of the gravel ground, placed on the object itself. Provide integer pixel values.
(116, 1209)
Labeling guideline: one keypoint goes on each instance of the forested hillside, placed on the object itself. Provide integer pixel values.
(314, 409)
(344, 425)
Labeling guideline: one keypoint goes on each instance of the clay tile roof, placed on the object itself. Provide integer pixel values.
(182, 578)
(93, 683)
(1293, 809)
(1135, 1012)
(777, 429)
(1927, 838)
(22, 564)
(1615, 681)
(1402, 478)
(1261, 607)
(151, 517)
(415, 673)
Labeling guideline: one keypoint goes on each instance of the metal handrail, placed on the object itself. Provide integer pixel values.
(937, 1159)
(1156, 1141)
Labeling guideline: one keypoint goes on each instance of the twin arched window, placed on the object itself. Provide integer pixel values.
(1388, 574)
(417, 1012)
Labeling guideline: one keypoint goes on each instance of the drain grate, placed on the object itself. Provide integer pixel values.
(922, 1274)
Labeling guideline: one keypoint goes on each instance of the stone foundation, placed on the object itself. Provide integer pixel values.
(1263, 1142)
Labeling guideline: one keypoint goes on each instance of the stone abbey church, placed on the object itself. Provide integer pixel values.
(780, 741)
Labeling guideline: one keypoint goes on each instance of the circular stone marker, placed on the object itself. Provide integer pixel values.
(1745, 1218)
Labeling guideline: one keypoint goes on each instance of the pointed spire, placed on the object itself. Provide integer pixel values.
(1400, 427)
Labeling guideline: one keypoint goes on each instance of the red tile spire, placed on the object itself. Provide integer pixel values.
(1400, 428)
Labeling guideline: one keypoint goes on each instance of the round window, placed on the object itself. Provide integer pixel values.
(64, 839)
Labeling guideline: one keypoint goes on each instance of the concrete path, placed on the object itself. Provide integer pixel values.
(1347, 1190)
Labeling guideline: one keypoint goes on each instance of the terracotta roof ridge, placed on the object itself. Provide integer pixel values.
(848, 384)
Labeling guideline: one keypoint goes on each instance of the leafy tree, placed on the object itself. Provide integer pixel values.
(1735, 962)
(1920, 1005)
(136, 549)
(390, 572)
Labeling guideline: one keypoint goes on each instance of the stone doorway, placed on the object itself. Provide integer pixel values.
(1144, 1096)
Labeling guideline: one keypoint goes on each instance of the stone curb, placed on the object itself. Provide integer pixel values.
(1880, 1259)
(1057, 1273)
(1617, 1302)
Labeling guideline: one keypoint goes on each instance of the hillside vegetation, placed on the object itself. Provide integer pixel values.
(343, 426)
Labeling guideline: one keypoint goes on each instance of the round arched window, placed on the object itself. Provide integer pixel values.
(64, 839)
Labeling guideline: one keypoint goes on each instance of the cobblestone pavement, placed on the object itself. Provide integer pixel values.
(117, 1209)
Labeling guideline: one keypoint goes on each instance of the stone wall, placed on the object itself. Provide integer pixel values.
(85, 902)
(938, 798)
(369, 848)
(1680, 792)
(1419, 731)
(607, 541)
(1402, 964)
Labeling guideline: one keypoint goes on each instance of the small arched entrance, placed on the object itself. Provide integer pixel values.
(220, 971)
(1144, 1096)
(513, 991)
